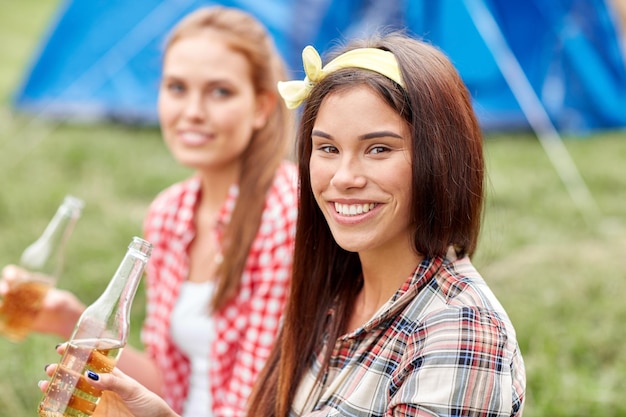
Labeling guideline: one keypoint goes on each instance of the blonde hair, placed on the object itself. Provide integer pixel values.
(244, 34)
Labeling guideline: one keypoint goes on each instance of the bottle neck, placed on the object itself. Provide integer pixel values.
(64, 219)
(122, 288)
(109, 316)
(46, 254)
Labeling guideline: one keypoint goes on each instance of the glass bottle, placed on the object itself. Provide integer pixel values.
(97, 341)
(40, 265)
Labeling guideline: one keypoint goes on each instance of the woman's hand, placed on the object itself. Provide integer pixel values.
(60, 309)
(123, 396)
(137, 399)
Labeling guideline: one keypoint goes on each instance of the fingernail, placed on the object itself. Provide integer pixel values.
(57, 346)
(45, 368)
(93, 375)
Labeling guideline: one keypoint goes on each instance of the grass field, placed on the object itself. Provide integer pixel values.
(559, 273)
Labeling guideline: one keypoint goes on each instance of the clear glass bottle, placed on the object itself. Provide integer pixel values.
(97, 341)
(40, 265)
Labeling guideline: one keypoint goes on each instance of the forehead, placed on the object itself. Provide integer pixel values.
(357, 110)
(206, 51)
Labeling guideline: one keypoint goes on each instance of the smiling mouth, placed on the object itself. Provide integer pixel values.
(194, 138)
(353, 209)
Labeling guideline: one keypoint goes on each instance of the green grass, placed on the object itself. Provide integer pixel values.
(559, 277)
(559, 273)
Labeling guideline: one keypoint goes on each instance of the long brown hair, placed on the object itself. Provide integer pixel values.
(245, 34)
(447, 184)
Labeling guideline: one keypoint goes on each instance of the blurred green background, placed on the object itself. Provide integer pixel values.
(560, 275)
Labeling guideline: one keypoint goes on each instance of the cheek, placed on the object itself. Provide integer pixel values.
(316, 177)
(232, 118)
(321, 173)
(167, 111)
(405, 190)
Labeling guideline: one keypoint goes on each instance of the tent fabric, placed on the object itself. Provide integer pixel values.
(101, 58)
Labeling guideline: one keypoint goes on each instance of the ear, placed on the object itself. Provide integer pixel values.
(265, 104)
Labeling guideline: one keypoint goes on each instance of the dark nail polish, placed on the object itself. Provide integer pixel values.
(93, 375)
(45, 368)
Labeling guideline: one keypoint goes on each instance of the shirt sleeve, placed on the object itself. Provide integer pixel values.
(458, 362)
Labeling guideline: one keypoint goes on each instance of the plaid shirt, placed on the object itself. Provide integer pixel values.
(442, 346)
(247, 326)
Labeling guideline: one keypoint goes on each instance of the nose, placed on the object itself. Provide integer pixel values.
(350, 173)
(194, 107)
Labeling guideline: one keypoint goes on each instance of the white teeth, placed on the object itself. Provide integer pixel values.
(193, 136)
(353, 209)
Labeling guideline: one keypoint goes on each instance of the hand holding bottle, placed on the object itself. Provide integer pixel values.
(122, 395)
(58, 311)
(23, 289)
(97, 340)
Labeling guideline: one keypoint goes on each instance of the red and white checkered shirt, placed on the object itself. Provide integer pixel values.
(246, 327)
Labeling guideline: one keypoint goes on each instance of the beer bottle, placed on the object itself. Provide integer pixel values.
(40, 265)
(97, 340)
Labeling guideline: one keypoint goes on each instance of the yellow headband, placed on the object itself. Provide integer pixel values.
(373, 59)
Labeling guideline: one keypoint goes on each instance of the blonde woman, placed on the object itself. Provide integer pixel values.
(220, 269)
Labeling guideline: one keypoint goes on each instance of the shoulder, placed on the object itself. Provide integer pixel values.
(285, 181)
(460, 301)
(174, 203)
(175, 195)
(460, 284)
(456, 297)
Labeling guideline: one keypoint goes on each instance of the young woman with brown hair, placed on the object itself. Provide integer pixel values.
(387, 316)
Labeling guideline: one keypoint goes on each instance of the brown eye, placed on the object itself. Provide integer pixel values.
(378, 149)
(328, 149)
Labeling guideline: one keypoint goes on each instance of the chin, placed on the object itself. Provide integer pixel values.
(191, 159)
(348, 246)
(189, 163)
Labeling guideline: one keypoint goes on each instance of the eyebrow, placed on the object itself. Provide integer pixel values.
(371, 135)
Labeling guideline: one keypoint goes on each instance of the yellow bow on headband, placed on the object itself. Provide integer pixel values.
(373, 59)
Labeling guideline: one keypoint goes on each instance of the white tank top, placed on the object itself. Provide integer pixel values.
(193, 331)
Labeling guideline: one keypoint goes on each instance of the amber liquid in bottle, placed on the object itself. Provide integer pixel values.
(70, 394)
(21, 304)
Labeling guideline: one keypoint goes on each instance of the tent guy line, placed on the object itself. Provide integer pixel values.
(534, 110)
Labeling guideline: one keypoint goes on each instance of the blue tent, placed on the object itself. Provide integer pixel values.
(101, 58)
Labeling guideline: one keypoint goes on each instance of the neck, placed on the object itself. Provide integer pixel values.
(383, 274)
(215, 185)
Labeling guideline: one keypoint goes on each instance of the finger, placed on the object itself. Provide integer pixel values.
(136, 399)
(12, 272)
(9, 271)
(116, 381)
(60, 348)
(9, 275)
(43, 386)
(51, 369)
